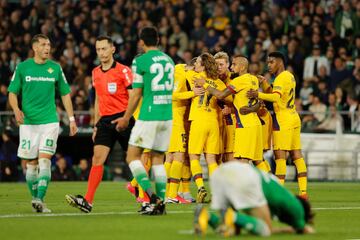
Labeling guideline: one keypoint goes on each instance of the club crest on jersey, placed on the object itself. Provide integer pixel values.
(112, 87)
(50, 70)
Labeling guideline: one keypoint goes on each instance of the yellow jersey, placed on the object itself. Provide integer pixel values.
(228, 119)
(181, 95)
(286, 115)
(205, 107)
(239, 86)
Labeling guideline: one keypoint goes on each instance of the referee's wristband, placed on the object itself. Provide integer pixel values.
(72, 119)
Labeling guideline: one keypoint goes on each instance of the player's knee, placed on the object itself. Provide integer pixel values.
(98, 159)
(296, 154)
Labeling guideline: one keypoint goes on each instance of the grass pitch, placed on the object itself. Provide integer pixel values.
(114, 215)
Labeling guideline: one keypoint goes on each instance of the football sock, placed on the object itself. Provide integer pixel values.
(253, 225)
(301, 175)
(31, 177)
(133, 182)
(95, 177)
(262, 166)
(185, 179)
(160, 180)
(139, 172)
(141, 193)
(280, 171)
(167, 166)
(197, 173)
(44, 177)
(268, 168)
(214, 220)
(174, 178)
(212, 167)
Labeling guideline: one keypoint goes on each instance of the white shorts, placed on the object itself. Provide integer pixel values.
(37, 138)
(154, 135)
(238, 185)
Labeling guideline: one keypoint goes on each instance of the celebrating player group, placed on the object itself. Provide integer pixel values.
(165, 117)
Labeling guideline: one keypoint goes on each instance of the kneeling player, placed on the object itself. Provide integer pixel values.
(248, 198)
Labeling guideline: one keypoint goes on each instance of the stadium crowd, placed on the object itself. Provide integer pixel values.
(321, 40)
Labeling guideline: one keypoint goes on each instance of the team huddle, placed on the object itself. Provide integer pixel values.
(181, 112)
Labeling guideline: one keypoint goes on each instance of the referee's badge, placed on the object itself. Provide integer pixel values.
(112, 87)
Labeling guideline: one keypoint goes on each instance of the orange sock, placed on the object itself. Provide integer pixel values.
(95, 177)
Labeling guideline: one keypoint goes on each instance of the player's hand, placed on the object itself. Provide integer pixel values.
(245, 110)
(252, 93)
(19, 116)
(121, 123)
(73, 128)
(261, 79)
(199, 91)
(94, 134)
(226, 110)
(199, 82)
(309, 230)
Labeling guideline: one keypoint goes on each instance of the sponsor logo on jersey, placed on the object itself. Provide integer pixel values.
(112, 87)
(39, 79)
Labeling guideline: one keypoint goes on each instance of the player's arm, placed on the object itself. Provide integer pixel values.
(222, 95)
(123, 122)
(249, 109)
(183, 95)
(13, 101)
(64, 90)
(264, 84)
(66, 100)
(14, 89)
(270, 97)
(96, 110)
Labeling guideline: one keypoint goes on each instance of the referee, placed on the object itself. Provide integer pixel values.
(112, 82)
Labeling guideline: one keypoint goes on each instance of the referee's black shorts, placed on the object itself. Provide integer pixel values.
(107, 135)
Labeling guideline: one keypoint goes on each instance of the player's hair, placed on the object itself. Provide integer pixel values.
(150, 36)
(239, 56)
(222, 55)
(309, 215)
(192, 62)
(208, 61)
(277, 55)
(37, 37)
(104, 37)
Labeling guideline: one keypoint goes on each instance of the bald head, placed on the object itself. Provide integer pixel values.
(240, 64)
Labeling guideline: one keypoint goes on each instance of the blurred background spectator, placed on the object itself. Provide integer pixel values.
(82, 170)
(8, 159)
(62, 171)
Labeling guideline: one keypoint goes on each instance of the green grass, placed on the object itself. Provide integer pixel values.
(118, 219)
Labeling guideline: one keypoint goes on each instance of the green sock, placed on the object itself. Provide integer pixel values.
(139, 172)
(44, 177)
(253, 225)
(160, 180)
(214, 220)
(31, 179)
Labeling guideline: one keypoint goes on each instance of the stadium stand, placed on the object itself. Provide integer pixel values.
(320, 38)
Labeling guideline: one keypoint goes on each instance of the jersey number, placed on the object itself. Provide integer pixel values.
(290, 103)
(159, 70)
(25, 144)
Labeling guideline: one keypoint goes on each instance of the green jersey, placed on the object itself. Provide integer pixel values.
(282, 203)
(37, 83)
(154, 73)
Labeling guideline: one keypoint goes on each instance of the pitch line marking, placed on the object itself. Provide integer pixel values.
(133, 213)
